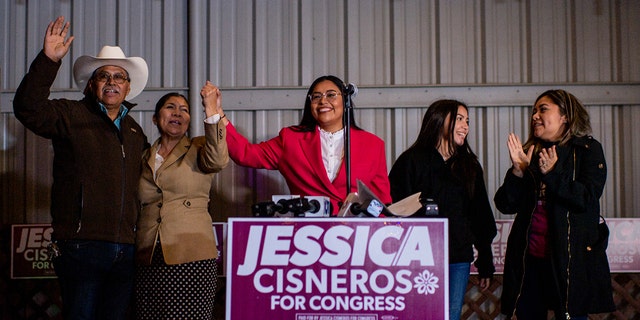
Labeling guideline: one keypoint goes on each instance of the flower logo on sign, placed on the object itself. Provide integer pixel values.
(426, 282)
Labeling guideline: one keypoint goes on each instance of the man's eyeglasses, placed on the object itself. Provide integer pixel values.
(118, 78)
(331, 96)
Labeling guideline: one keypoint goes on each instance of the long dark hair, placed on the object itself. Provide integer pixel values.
(464, 162)
(308, 122)
(578, 122)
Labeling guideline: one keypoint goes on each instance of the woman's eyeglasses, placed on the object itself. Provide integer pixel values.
(331, 96)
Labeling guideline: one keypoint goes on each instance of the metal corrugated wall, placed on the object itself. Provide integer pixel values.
(496, 55)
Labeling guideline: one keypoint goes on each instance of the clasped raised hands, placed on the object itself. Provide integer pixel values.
(56, 44)
(211, 99)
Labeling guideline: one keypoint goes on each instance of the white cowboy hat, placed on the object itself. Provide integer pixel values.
(136, 67)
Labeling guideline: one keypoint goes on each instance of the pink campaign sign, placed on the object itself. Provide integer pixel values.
(30, 259)
(337, 268)
(29, 255)
(623, 251)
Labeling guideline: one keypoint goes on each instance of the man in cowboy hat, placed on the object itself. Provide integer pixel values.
(96, 169)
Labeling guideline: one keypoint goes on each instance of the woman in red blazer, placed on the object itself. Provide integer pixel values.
(310, 155)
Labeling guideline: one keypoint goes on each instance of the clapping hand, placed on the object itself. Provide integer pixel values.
(548, 159)
(519, 158)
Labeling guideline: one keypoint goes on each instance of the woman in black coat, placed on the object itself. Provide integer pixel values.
(555, 257)
(442, 166)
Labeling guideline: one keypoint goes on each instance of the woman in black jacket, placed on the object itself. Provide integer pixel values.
(442, 166)
(555, 257)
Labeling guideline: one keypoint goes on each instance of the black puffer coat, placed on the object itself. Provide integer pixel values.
(573, 190)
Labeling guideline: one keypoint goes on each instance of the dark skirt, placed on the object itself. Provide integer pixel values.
(182, 291)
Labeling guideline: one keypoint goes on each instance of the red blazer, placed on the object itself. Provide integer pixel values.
(302, 167)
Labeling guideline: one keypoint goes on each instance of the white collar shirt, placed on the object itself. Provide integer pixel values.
(332, 151)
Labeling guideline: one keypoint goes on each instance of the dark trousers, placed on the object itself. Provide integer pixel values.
(96, 279)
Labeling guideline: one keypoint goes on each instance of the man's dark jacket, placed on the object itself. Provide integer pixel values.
(96, 167)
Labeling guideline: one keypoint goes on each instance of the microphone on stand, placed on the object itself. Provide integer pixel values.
(371, 208)
(352, 90)
(266, 209)
(296, 207)
(300, 205)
